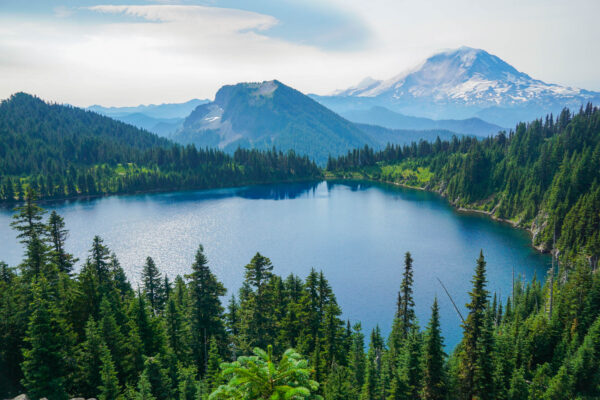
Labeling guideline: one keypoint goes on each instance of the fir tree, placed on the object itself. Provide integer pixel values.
(44, 359)
(153, 288)
(90, 361)
(28, 222)
(58, 236)
(177, 331)
(157, 376)
(470, 354)
(434, 382)
(109, 387)
(206, 309)
(214, 361)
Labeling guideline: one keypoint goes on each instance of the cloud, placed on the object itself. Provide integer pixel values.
(129, 54)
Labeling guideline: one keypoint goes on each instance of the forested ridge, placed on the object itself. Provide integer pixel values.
(543, 176)
(63, 151)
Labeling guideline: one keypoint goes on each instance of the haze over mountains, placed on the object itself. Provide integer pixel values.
(467, 87)
(161, 119)
(458, 84)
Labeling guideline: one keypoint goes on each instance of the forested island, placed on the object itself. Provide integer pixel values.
(78, 328)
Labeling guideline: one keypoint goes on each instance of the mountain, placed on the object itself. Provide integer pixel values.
(267, 114)
(458, 84)
(162, 119)
(386, 118)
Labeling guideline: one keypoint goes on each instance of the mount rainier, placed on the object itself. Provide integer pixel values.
(461, 83)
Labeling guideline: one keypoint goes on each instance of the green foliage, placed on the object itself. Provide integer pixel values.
(44, 358)
(205, 309)
(260, 377)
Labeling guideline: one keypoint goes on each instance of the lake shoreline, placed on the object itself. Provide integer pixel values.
(459, 209)
(16, 203)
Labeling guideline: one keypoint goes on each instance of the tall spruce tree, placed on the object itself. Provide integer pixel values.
(206, 310)
(109, 383)
(470, 351)
(45, 357)
(434, 379)
(58, 236)
(153, 285)
(32, 234)
(256, 305)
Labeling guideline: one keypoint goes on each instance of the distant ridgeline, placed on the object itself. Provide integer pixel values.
(544, 176)
(62, 151)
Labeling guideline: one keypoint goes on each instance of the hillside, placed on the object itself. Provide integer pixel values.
(270, 114)
(458, 84)
(389, 119)
(543, 177)
(63, 151)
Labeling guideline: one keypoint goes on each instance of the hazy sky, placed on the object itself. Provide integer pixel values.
(119, 52)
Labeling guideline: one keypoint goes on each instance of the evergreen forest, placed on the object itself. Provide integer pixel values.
(74, 328)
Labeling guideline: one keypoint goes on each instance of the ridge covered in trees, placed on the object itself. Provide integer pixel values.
(543, 176)
(90, 334)
(62, 151)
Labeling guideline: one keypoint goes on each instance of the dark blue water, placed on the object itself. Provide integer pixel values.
(356, 233)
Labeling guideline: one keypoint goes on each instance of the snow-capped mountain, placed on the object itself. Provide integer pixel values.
(462, 83)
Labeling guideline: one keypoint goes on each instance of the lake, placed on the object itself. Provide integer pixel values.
(357, 233)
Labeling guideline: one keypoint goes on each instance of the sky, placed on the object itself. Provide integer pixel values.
(120, 53)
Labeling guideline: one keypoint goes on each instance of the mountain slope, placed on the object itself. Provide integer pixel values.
(267, 114)
(462, 83)
(386, 118)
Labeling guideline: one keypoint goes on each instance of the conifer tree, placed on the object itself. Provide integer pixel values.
(411, 368)
(157, 376)
(338, 385)
(177, 331)
(519, 389)
(473, 327)
(44, 359)
(405, 313)
(213, 370)
(206, 310)
(371, 389)
(232, 317)
(153, 288)
(257, 325)
(109, 387)
(188, 385)
(113, 337)
(357, 360)
(144, 391)
(28, 222)
(90, 361)
(58, 236)
(100, 260)
(434, 382)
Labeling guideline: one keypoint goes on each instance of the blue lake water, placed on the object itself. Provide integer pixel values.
(356, 233)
